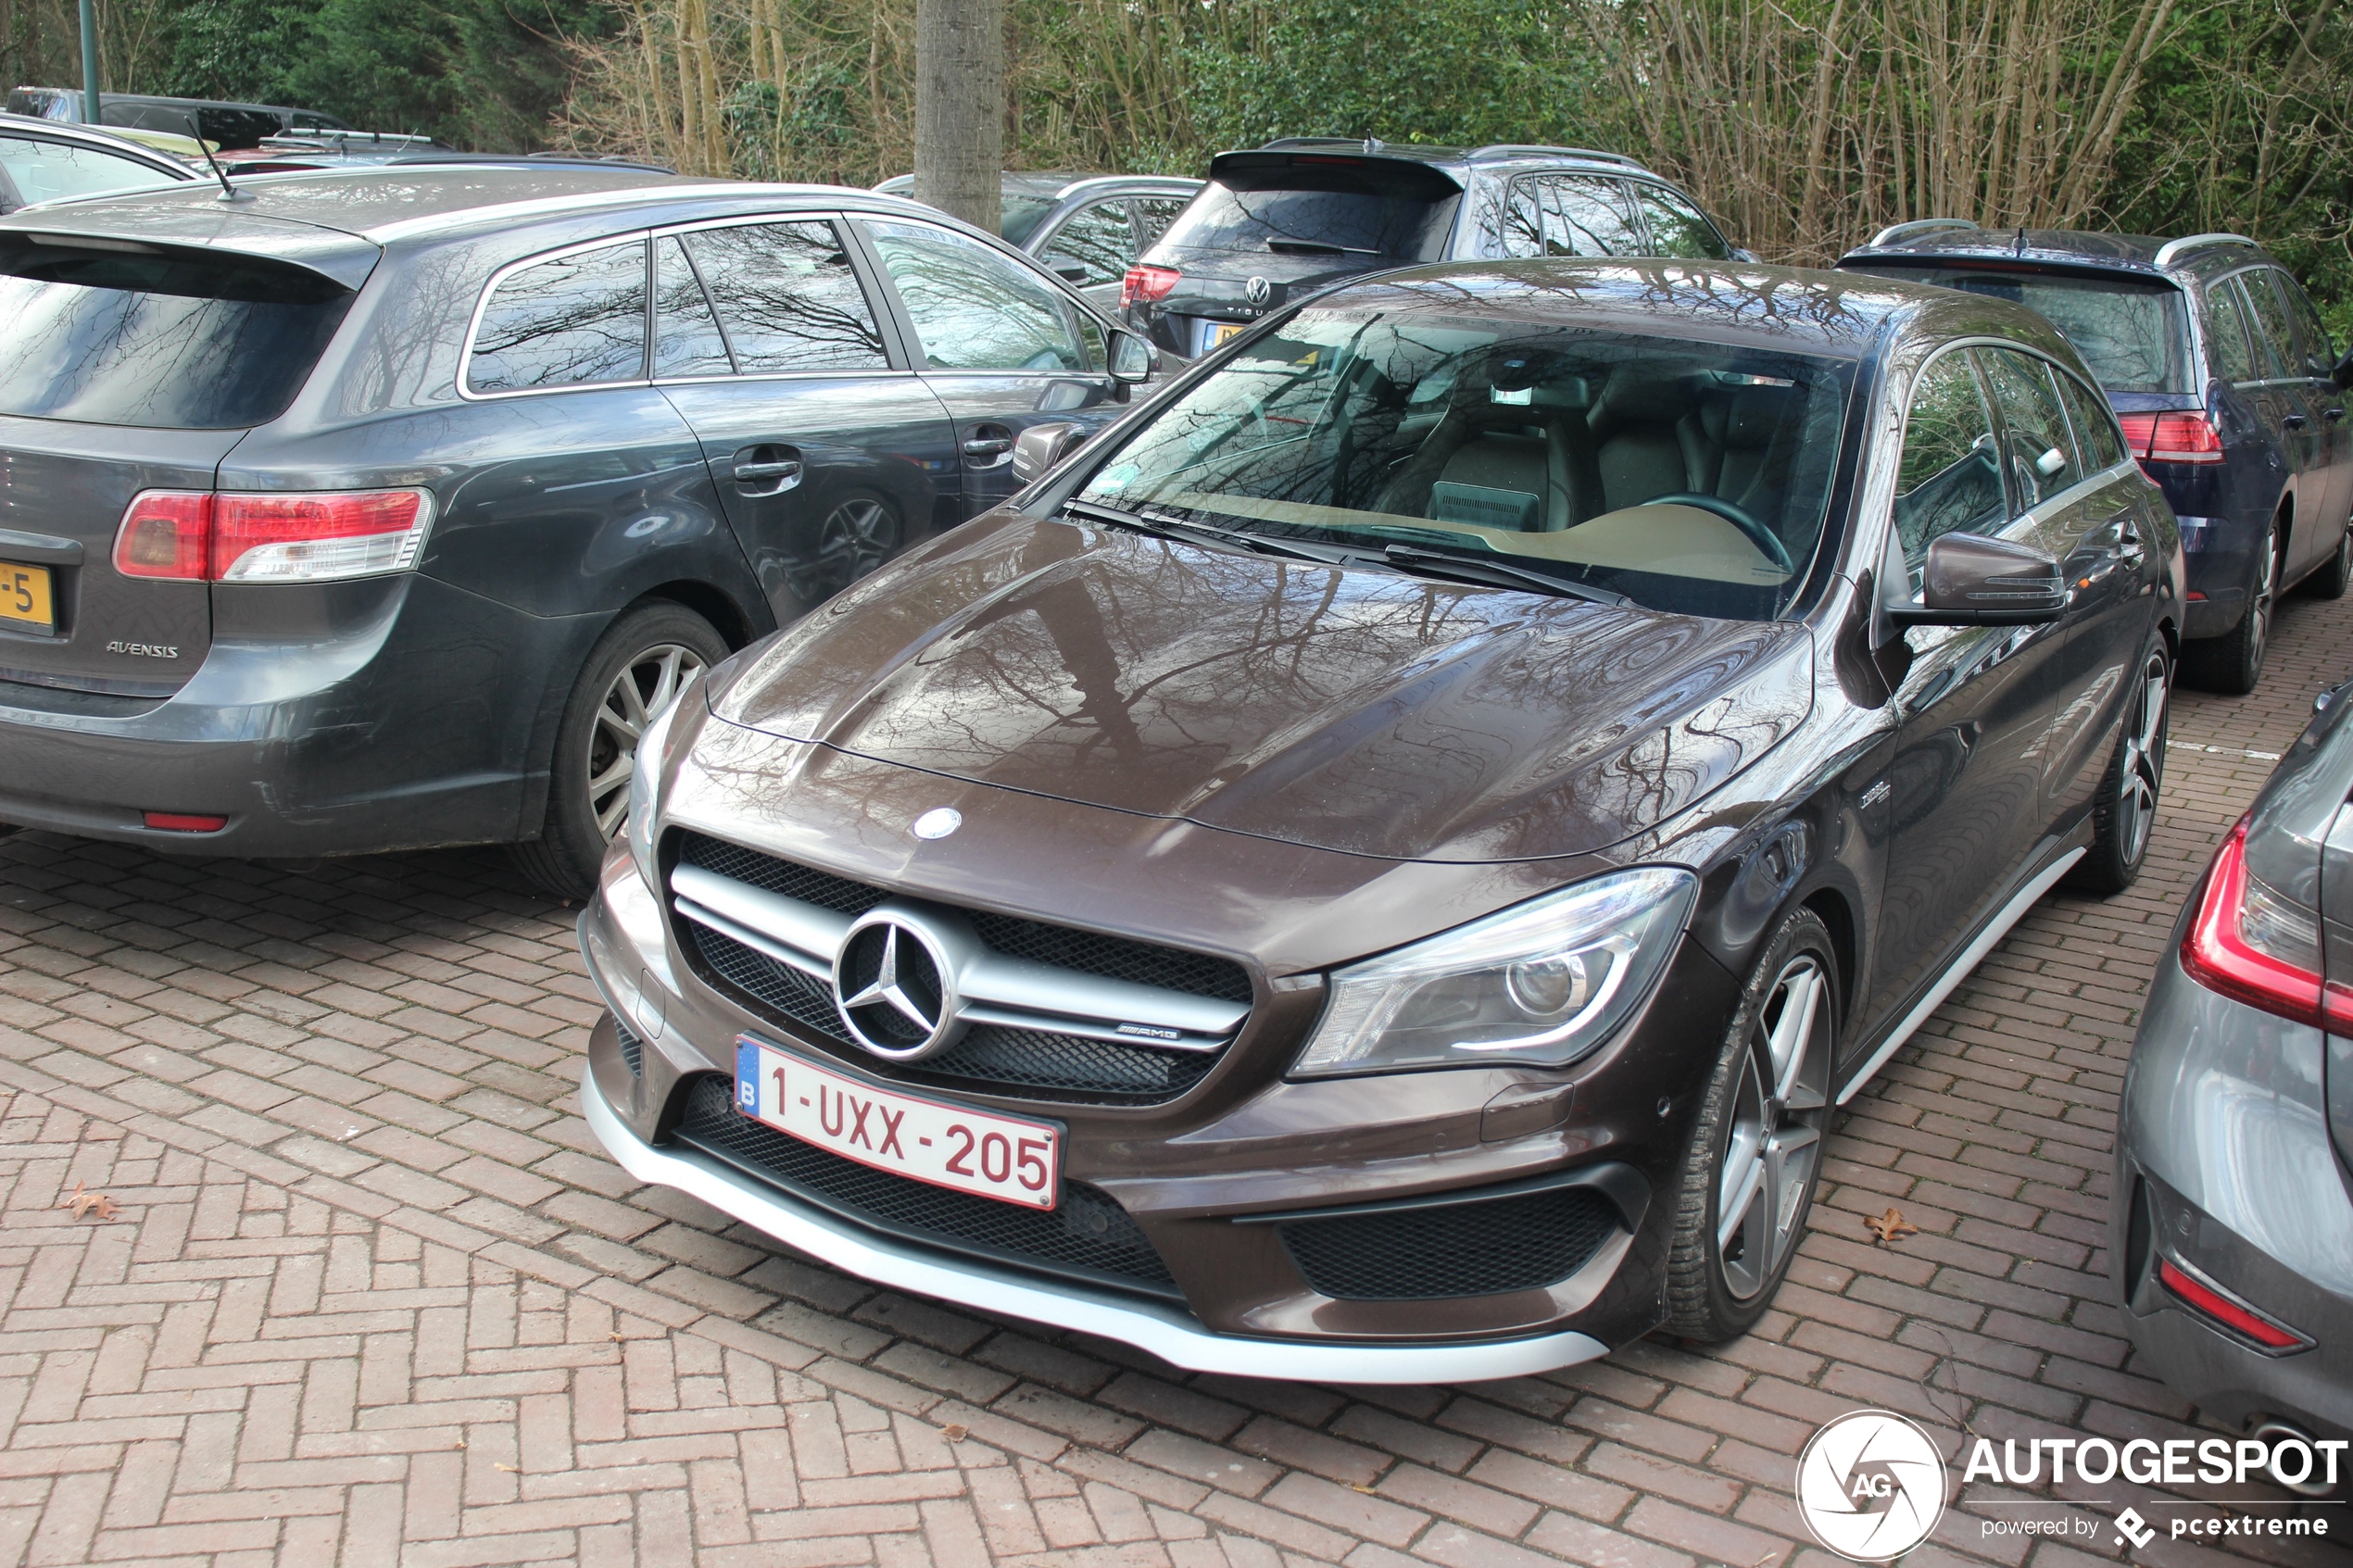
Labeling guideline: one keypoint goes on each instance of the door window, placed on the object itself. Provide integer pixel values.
(2097, 437)
(2270, 318)
(2039, 447)
(972, 308)
(788, 297)
(2227, 334)
(1154, 215)
(43, 170)
(1948, 480)
(1095, 247)
(1676, 226)
(575, 321)
(2319, 355)
(687, 340)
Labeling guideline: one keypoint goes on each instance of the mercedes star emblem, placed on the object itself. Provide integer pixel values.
(1258, 291)
(938, 823)
(895, 988)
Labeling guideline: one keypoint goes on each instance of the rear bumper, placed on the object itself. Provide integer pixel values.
(1165, 1332)
(2218, 557)
(410, 716)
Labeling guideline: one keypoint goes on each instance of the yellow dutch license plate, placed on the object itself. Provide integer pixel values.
(24, 598)
(1225, 330)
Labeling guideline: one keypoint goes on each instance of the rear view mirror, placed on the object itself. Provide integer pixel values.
(1039, 448)
(1969, 580)
(1131, 358)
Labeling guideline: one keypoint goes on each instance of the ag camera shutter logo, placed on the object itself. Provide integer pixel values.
(1871, 1485)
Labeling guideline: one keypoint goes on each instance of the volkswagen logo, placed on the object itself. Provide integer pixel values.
(1258, 291)
(895, 986)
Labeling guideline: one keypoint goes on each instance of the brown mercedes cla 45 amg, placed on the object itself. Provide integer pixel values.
(1380, 866)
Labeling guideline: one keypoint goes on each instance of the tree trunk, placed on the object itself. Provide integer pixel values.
(960, 109)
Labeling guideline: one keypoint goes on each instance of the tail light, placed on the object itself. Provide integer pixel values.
(1146, 285)
(2172, 438)
(2211, 1302)
(202, 536)
(2254, 944)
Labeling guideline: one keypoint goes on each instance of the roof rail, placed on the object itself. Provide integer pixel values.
(1282, 142)
(2171, 248)
(1594, 154)
(1895, 231)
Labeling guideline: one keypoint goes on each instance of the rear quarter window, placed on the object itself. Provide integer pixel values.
(570, 320)
(176, 339)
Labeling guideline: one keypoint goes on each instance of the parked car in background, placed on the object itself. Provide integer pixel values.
(360, 149)
(1088, 228)
(1301, 213)
(41, 160)
(1380, 868)
(379, 509)
(2231, 1243)
(2229, 388)
(224, 123)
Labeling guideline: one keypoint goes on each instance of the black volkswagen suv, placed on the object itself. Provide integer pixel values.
(380, 510)
(1283, 221)
(2228, 387)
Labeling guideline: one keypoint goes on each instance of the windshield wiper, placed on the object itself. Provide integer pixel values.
(1207, 533)
(1316, 247)
(1442, 563)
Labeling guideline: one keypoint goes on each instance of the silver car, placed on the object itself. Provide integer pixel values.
(2232, 1249)
(1088, 229)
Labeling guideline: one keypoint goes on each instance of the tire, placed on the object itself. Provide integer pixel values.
(1758, 1149)
(633, 669)
(2336, 574)
(2233, 663)
(2125, 810)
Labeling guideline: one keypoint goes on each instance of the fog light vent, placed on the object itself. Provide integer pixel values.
(1431, 1252)
(633, 1050)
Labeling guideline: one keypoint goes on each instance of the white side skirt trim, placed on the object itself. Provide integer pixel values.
(1164, 1332)
(1987, 940)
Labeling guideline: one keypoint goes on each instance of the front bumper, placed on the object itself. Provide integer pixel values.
(1165, 1332)
(2224, 1156)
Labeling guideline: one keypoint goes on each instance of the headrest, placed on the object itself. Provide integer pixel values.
(1758, 414)
(1629, 398)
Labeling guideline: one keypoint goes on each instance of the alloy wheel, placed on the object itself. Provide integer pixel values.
(2144, 762)
(1773, 1141)
(637, 693)
(856, 539)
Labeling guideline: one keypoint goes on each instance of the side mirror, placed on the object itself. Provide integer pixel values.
(1039, 448)
(2342, 374)
(1131, 358)
(1969, 580)
(1071, 272)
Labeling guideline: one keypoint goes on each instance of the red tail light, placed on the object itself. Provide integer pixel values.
(198, 536)
(2208, 1303)
(2172, 438)
(1146, 285)
(2255, 947)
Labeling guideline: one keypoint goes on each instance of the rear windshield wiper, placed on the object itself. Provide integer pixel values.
(1316, 247)
(1442, 563)
(1207, 533)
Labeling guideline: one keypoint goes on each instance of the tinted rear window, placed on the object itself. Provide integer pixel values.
(175, 340)
(1385, 228)
(2134, 335)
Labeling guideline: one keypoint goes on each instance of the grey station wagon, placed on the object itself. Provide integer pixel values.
(377, 511)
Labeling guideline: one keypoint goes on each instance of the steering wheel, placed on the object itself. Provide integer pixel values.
(1758, 534)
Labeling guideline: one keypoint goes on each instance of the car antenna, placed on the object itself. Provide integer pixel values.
(2020, 249)
(228, 192)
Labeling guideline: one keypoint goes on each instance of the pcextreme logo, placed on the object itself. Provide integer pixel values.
(1871, 1485)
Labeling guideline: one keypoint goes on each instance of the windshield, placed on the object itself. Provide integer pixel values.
(1688, 477)
(1391, 228)
(2134, 335)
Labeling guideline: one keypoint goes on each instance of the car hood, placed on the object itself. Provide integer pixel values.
(1355, 710)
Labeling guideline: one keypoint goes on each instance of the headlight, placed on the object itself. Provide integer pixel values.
(1542, 984)
(645, 780)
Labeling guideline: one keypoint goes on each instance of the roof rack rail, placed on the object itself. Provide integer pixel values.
(2171, 248)
(1895, 231)
(1282, 142)
(1593, 153)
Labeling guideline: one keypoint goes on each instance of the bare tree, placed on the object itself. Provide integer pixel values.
(960, 108)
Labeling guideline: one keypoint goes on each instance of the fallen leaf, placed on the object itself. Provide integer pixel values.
(1890, 1226)
(83, 1203)
(954, 1432)
(1367, 1490)
(617, 1337)
(510, 1469)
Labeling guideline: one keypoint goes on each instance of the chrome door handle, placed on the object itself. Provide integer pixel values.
(2333, 415)
(767, 471)
(2295, 421)
(986, 446)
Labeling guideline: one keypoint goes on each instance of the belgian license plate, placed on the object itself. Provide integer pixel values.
(24, 596)
(1220, 331)
(948, 1146)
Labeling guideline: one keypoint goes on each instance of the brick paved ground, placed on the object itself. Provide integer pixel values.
(372, 1295)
